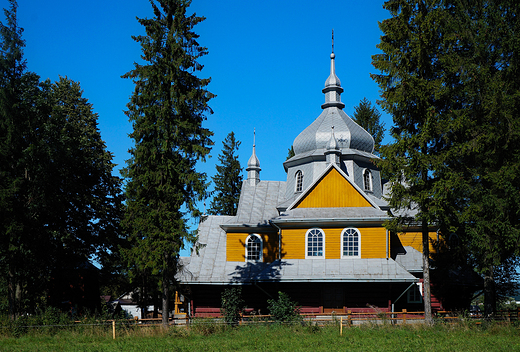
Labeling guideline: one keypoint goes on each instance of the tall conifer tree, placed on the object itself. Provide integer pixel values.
(448, 80)
(483, 76)
(167, 110)
(409, 79)
(368, 117)
(14, 129)
(228, 179)
(59, 203)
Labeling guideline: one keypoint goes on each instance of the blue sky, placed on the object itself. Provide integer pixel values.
(268, 61)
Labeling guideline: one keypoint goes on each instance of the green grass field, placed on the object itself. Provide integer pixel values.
(460, 337)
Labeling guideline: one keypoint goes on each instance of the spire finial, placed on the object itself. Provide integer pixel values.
(253, 165)
(333, 40)
(332, 152)
(332, 84)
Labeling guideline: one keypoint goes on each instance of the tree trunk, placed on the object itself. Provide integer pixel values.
(426, 274)
(14, 293)
(165, 300)
(11, 287)
(490, 299)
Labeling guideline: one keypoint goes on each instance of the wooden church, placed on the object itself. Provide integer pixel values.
(318, 236)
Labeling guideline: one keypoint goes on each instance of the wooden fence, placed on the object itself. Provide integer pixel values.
(349, 318)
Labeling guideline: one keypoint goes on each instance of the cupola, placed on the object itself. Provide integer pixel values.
(253, 166)
(349, 135)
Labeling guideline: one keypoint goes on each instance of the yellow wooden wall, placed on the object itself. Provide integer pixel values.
(414, 239)
(373, 243)
(333, 191)
(236, 246)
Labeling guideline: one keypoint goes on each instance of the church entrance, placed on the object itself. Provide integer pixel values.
(333, 299)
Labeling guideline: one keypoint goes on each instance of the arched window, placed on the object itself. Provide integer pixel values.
(367, 180)
(254, 247)
(315, 244)
(350, 243)
(299, 180)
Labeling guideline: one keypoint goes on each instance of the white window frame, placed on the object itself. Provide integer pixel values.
(261, 254)
(358, 233)
(298, 181)
(369, 186)
(312, 232)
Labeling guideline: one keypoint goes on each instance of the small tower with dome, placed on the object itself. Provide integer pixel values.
(332, 137)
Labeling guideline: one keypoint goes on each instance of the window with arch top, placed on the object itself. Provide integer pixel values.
(254, 248)
(350, 246)
(299, 181)
(367, 180)
(315, 244)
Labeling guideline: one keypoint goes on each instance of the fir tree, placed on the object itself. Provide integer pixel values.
(166, 109)
(228, 179)
(368, 117)
(482, 70)
(447, 79)
(14, 142)
(59, 203)
(409, 78)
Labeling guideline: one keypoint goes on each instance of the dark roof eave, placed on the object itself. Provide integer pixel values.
(248, 227)
(326, 221)
(251, 282)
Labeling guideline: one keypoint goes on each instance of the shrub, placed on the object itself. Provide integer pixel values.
(283, 309)
(232, 304)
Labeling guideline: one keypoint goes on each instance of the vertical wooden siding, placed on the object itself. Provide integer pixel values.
(414, 239)
(372, 241)
(236, 247)
(333, 191)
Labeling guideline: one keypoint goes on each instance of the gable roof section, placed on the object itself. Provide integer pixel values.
(333, 189)
(258, 203)
(210, 261)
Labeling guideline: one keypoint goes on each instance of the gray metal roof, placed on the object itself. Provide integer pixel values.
(331, 215)
(410, 259)
(349, 134)
(209, 266)
(306, 270)
(319, 154)
(258, 203)
(211, 258)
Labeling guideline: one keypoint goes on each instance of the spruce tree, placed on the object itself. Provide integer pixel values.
(409, 79)
(448, 81)
(228, 179)
(167, 110)
(14, 143)
(368, 117)
(486, 90)
(59, 203)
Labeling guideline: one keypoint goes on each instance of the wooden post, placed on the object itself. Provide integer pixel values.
(349, 318)
(114, 329)
(341, 326)
(404, 316)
